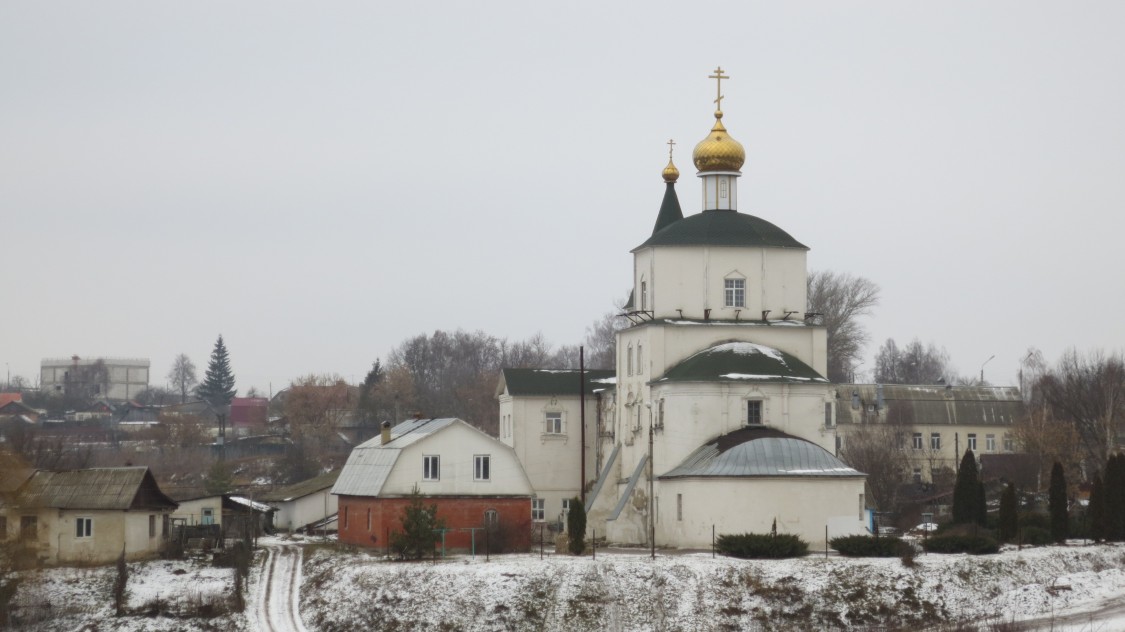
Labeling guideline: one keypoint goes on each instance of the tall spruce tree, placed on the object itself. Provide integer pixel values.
(1056, 503)
(217, 387)
(1009, 516)
(576, 526)
(966, 491)
(366, 393)
(1114, 485)
(1096, 514)
(982, 505)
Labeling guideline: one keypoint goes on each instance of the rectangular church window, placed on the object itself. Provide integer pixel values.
(753, 412)
(734, 292)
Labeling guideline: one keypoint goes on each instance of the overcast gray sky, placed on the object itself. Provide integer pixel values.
(318, 181)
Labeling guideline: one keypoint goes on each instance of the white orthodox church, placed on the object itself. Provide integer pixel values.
(719, 416)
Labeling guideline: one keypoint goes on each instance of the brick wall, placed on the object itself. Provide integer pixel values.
(356, 528)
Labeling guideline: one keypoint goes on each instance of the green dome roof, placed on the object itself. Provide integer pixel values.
(742, 362)
(722, 228)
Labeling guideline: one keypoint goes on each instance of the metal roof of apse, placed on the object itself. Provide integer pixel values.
(760, 451)
(722, 228)
(553, 381)
(742, 362)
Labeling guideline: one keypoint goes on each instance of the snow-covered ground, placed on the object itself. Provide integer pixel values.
(1076, 588)
(629, 591)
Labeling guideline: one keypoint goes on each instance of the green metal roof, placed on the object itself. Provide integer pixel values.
(722, 228)
(670, 211)
(555, 381)
(742, 362)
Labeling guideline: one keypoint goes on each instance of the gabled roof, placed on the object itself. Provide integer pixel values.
(553, 381)
(10, 397)
(722, 228)
(95, 488)
(929, 404)
(302, 489)
(761, 451)
(742, 362)
(371, 462)
(16, 407)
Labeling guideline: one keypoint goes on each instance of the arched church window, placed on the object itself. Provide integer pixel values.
(644, 294)
(629, 360)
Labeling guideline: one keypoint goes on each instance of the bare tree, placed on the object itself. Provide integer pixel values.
(1049, 440)
(878, 450)
(1089, 393)
(914, 364)
(182, 375)
(601, 338)
(842, 299)
(316, 405)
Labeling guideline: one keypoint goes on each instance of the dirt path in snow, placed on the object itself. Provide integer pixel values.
(277, 603)
(1108, 617)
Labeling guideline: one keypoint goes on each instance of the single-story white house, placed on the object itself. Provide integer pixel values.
(90, 516)
(305, 503)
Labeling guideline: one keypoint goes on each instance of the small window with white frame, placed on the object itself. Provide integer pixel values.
(916, 441)
(1009, 444)
(990, 442)
(734, 292)
(973, 441)
(482, 467)
(431, 467)
(935, 440)
(554, 423)
(566, 506)
(538, 509)
(84, 527)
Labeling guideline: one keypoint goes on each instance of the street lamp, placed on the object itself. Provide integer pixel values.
(982, 368)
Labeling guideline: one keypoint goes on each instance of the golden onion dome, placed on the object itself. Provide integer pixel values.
(718, 152)
(670, 173)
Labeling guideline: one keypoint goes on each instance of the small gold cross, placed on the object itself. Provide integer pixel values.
(670, 144)
(718, 77)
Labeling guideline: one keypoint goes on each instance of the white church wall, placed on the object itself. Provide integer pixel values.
(692, 279)
(688, 508)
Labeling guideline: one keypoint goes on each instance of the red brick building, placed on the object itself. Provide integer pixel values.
(475, 481)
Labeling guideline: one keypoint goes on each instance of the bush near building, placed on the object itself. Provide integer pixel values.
(961, 543)
(761, 545)
(867, 546)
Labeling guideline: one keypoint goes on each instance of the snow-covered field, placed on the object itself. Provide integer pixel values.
(1072, 588)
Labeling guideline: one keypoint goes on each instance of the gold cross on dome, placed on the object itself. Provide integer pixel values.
(718, 77)
(671, 143)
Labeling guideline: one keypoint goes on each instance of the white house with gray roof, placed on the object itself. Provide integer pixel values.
(474, 479)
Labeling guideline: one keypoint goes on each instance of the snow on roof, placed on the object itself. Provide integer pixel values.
(256, 506)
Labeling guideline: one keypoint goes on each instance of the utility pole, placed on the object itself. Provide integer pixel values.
(651, 498)
(582, 420)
